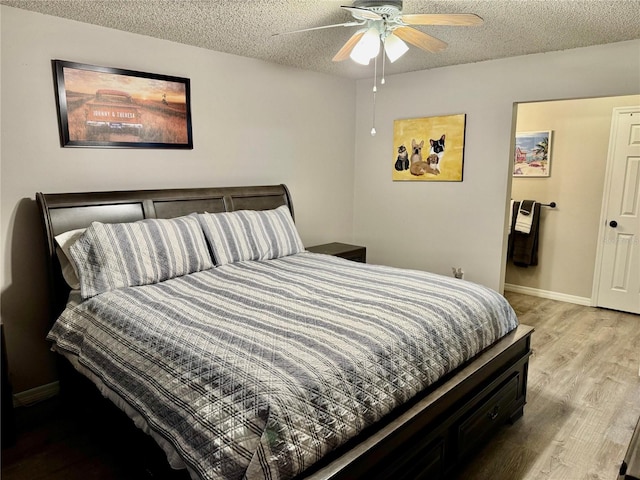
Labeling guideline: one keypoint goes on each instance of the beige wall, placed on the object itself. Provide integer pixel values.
(253, 123)
(568, 234)
(434, 226)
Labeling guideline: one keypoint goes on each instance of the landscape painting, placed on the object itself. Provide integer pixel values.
(532, 156)
(429, 149)
(109, 107)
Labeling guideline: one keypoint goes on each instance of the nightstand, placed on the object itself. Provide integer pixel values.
(344, 250)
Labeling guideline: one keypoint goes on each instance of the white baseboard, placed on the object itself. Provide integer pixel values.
(35, 395)
(536, 292)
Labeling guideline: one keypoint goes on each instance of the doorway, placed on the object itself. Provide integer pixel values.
(569, 233)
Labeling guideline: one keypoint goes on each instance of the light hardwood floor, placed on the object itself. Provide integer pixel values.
(583, 397)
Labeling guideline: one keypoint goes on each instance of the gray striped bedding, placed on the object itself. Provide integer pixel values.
(257, 369)
(251, 234)
(111, 256)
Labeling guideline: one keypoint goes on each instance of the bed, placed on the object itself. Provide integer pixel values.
(258, 359)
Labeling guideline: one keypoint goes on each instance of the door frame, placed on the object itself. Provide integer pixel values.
(615, 120)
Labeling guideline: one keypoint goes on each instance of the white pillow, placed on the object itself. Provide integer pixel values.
(251, 234)
(69, 269)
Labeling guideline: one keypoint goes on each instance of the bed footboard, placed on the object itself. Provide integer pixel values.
(447, 425)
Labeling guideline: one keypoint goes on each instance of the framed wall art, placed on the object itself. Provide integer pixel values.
(111, 107)
(429, 149)
(532, 156)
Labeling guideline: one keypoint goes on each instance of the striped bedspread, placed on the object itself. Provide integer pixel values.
(257, 369)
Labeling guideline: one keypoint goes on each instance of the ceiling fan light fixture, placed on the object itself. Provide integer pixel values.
(367, 48)
(394, 47)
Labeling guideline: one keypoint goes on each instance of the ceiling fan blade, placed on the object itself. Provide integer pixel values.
(348, 24)
(345, 51)
(420, 39)
(454, 19)
(363, 13)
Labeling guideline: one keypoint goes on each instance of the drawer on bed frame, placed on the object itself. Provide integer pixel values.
(434, 453)
(439, 449)
(491, 412)
(425, 462)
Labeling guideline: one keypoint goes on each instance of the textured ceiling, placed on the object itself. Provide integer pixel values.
(246, 27)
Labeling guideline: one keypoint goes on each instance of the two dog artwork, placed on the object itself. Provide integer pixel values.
(417, 166)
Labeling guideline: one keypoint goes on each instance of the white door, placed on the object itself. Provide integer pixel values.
(617, 280)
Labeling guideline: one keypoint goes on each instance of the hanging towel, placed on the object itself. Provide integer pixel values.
(523, 247)
(525, 217)
(510, 224)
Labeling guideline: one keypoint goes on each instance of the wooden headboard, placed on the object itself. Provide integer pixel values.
(61, 212)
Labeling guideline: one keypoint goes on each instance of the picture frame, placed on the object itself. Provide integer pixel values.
(111, 107)
(532, 154)
(429, 149)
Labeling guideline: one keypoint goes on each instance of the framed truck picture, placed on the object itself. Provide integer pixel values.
(112, 107)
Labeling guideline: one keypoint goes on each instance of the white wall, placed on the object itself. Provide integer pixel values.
(253, 123)
(434, 226)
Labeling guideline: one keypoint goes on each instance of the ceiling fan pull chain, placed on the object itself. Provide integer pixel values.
(375, 74)
(373, 128)
(375, 89)
(383, 59)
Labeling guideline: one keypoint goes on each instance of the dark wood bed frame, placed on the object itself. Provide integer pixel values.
(426, 438)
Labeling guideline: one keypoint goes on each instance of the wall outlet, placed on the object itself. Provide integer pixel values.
(458, 272)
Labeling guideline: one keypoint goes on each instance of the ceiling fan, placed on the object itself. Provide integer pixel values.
(382, 22)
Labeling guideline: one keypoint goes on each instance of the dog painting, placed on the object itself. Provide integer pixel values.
(437, 148)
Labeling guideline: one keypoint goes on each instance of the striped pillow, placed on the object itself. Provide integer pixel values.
(112, 256)
(251, 235)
